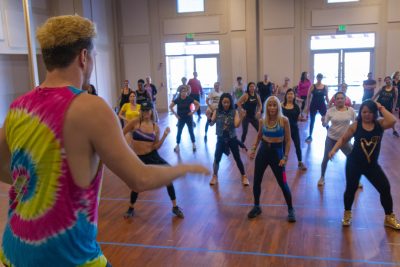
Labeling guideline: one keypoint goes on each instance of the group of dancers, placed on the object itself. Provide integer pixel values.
(277, 125)
(52, 155)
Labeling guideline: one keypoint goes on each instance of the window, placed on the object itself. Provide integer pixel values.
(342, 41)
(185, 6)
(341, 1)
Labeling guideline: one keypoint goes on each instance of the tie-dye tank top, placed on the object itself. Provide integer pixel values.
(51, 220)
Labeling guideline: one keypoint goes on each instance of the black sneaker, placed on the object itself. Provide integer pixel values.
(309, 139)
(395, 133)
(178, 212)
(291, 216)
(129, 214)
(255, 211)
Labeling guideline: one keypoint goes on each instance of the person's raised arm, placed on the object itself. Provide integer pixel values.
(158, 143)
(5, 157)
(213, 117)
(388, 119)
(105, 138)
(242, 100)
(238, 118)
(344, 139)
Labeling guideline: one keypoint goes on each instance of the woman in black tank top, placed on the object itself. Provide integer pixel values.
(250, 102)
(387, 97)
(363, 160)
(292, 111)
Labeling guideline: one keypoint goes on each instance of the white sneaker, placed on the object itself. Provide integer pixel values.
(194, 147)
(176, 149)
(321, 181)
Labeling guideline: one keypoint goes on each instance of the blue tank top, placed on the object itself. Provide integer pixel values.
(275, 131)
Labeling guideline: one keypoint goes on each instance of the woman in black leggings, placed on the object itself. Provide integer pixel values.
(144, 139)
(292, 111)
(317, 99)
(250, 103)
(274, 130)
(363, 159)
(227, 120)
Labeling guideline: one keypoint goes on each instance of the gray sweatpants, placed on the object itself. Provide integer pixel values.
(329, 144)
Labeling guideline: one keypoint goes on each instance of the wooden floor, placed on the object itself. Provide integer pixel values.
(216, 231)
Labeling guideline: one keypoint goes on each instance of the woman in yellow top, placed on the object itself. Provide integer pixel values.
(131, 110)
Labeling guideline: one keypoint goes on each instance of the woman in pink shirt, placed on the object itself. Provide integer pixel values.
(347, 102)
(302, 89)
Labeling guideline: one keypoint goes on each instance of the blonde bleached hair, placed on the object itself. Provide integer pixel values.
(65, 30)
(279, 115)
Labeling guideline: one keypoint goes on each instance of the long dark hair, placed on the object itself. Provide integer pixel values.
(371, 105)
(248, 86)
(220, 106)
(303, 76)
(285, 98)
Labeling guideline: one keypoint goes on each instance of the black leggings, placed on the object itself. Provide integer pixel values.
(294, 133)
(270, 154)
(303, 104)
(373, 172)
(245, 126)
(188, 120)
(224, 145)
(155, 159)
(314, 108)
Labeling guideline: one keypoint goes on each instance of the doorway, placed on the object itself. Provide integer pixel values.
(348, 59)
(182, 59)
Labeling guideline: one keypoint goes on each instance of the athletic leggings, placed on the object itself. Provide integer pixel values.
(373, 172)
(294, 133)
(188, 120)
(270, 154)
(155, 159)
(245, 126)
(303, 104)
(329, 144)
(314, 108)
(224, 145)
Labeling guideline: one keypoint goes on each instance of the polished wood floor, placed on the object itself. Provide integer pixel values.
(216, 231)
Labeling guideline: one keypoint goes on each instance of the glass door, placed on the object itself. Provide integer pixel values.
(207, 71)
(178, 67)
(328, 63)
(356, 66)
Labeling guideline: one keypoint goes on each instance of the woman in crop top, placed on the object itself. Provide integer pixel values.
(144, 136)
(274, 130)
(316, 98)
(130, 110)
(250, 103)
(292, 111)
(363, 159)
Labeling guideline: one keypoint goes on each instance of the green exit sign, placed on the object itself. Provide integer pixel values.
(342, 28)
(189, 37)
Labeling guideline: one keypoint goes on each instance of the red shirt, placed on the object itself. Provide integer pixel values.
(195, 86)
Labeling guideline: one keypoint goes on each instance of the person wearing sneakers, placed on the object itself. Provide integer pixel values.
(292, 111)
(387, 97)
(274, 131)
(363, 159)
(316, 98)
(184, 115)
(143, 134)
(340, 117)
(227, 120)
(212, 103)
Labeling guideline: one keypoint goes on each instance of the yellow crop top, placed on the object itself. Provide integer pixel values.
(130, 113)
